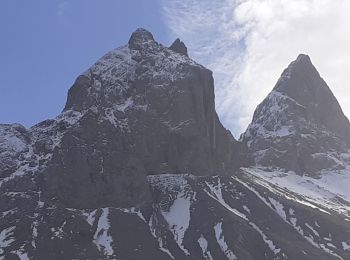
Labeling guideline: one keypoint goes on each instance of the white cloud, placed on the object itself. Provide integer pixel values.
(248, 43)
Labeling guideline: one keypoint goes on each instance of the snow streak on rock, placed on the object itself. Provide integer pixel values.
(270, 123)
(216, 194)
(269, 242)
(157, 232)
(278, 207)
(222, 243)
(6, 238)
(178, 218)
(176, 212)
(102, 238)
(203, 243)
(329, 191)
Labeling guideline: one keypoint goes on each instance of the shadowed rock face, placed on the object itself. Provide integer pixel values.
(306, 87)
(141, 109)
(163, 105)
(300, 125)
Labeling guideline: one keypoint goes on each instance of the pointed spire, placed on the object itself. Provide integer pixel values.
(301, 67)
(303, 58)
(302, 82)
(299, 123)
(179, 47)
(139, 38)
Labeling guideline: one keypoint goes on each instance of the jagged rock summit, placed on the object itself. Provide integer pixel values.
(141, 39)
(300, 125)
(179, 47)
(141, 109)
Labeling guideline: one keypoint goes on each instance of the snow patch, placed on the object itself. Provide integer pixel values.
(6, 238)
(123, 107)
(246, 209)
(278, 208)
(269, 122)
(178, 218)
(135, 211)
(22, 255)
(269, 242)
(290, 191)
(102, 238)
(156, 232)
(203, 243)
(312, 229)
(8, 212)
(34, 227)
(58, 232)
(216, 194)
(222, 243)
(89, 216)
(346, 246)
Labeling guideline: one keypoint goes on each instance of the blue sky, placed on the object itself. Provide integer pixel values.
(44, 45)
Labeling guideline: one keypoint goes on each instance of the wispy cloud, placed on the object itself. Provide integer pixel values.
(247, 44)
(62, 8)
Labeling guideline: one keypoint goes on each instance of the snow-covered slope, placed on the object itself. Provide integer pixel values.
(330, 191)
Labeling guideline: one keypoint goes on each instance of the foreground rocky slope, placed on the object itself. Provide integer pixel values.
(138, 166)
(245, 216)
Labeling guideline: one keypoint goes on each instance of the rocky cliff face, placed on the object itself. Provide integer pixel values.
(300, 125)
(146, 109)
(138, 166)
(162, 103)
(141, 109)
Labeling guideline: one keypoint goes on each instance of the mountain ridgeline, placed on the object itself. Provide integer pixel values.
(139, 166)
(300, 125)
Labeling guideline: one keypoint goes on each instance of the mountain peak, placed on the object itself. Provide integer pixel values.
(139, 38)
(144, 103)
(298, 121)
(302, 68)
(303, 58)
(302, 83)
(179, 47)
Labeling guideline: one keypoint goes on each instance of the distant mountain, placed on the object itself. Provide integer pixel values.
(138, 166)
(300, 125)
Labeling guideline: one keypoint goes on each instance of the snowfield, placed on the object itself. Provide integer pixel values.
(330, 191)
